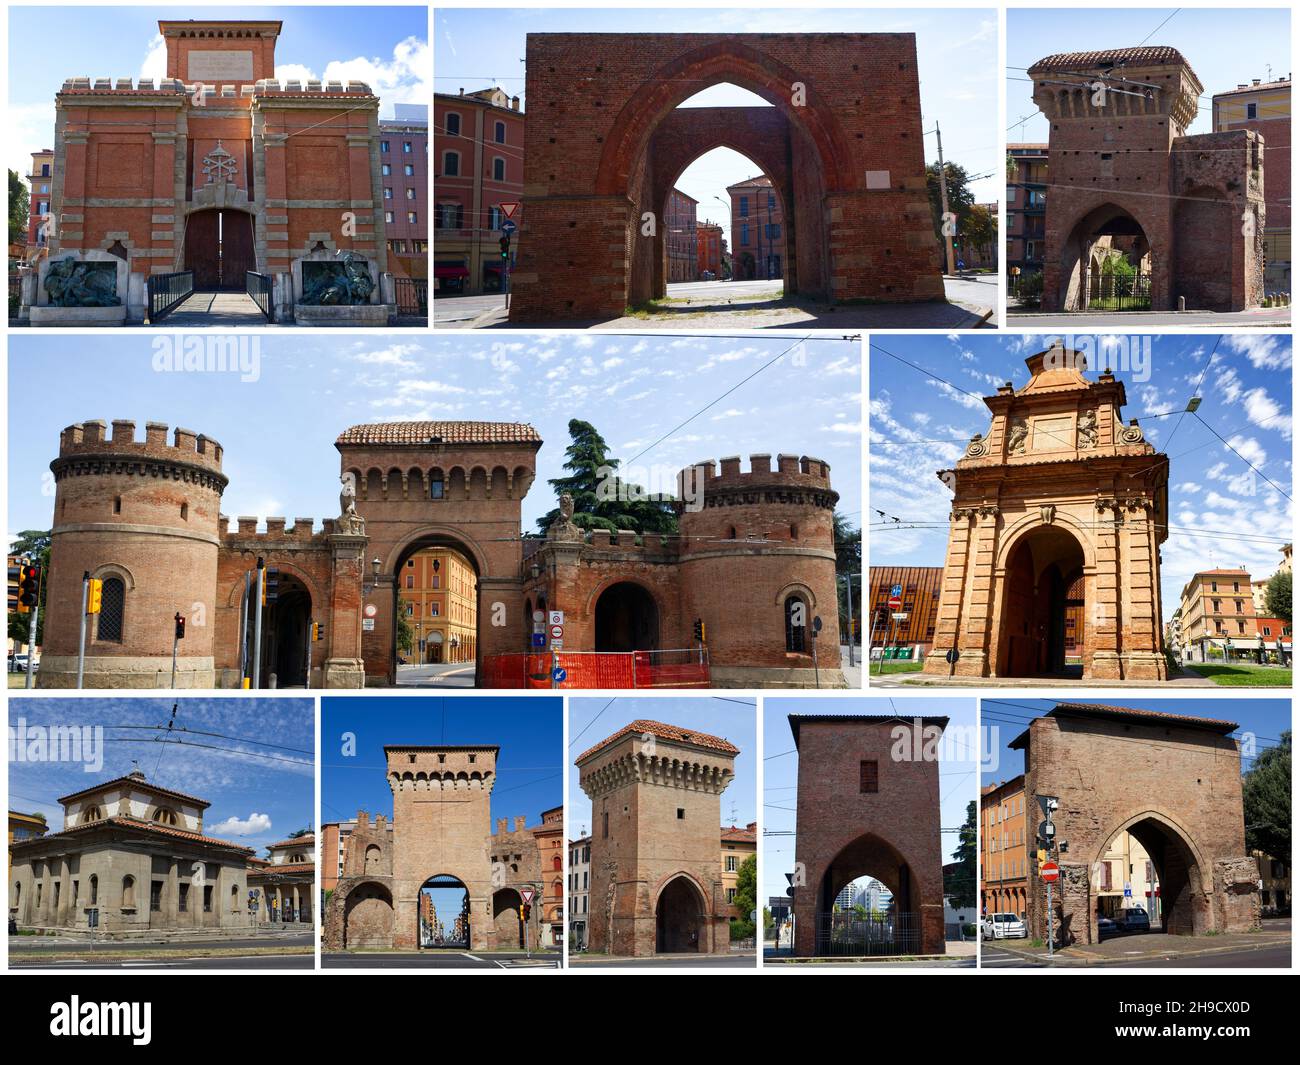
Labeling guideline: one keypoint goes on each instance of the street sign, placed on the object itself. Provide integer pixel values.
(539, 639)
(508, 227)
(1128, 891)
(371, 610)
(557, 645)
(538, 616)
(895, 591)
(952, 656)
(899, 617)
(509, 209)
(1050, 872)
(527, 894)
(367, 624)
(559, 674)
(555, 617)
(817, 623)
(557, 632)
(895, 602)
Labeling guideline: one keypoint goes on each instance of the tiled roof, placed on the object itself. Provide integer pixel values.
(1130, 713)
(145, 826)
(1266, 86)
(1133, 57)
(302, 841)
(735, 834)
(442, 432)
(665, 732)
(135, 783)
(266, 868)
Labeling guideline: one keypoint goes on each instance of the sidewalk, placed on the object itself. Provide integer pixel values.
(1136, 948)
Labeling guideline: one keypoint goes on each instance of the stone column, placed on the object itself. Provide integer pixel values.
(1104, 612)
(983, 580)
(344, 667)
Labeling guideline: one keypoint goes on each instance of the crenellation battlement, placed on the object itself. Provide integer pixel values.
(277, 530)
(794, 470)
(92, 438)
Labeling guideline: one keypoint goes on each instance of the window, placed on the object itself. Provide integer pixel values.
(388, 194)
(869, 777)
(111, 610)
(410, 194)
(408, 169)
(498, 169)
(451, 164)
(410, 580)
(731, 863)
(92, 813)
(155, 896)
(795, 625)
(184, 901)
(500, 133)
(406, 147)
(1252, 110)
(94, 891)
(383, 147)
(434, 610)
(744, 234)
(743, 201)
(771, 201)
(448, 216)
(412, 217)
(164, 816)
(681, 814)
(436, 488)
(207, 898)
(128, 893)
(388, 216)
(453, 124)
(386, 169)
(604, 825)
(495, 217)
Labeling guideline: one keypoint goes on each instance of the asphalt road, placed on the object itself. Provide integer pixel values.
(674, 961)
(434, 959)
(251, 961)
(32, 946)
(446, 675)
(1275, 957)
(1138, 322)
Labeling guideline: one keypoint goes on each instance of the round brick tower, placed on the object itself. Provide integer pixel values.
(757, 558)
(143, 518)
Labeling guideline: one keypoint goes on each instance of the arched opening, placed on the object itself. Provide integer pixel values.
(627, 619)
(868, 902)
(373, 858)
(795, 610)
(1146, 879)
(506, 906)
(1205, 231)
(436, 607)
(681, 918)
(1107, 263)
(443, 914)
(219, 249)
(286, 639)
(1043, 608)
(368, 917)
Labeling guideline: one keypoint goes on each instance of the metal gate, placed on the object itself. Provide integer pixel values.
(1119, 292)
(849, 935)
(219, 249)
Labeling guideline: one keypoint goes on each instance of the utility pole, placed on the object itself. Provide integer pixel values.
(31, 643)
(81, 643)
(848, 590)
(243, 633)
(943, 204)
(258, 591)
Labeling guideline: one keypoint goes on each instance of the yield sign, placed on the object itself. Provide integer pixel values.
(527, 894)
(509, 209)
(1050, 872)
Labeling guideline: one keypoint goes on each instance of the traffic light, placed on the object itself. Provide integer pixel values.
(698, 630)
(270, 585)
(15, 576)
(505, 247)
(528, 910)
(29, 588)
(94, 596)
(317, 632)
(180, 627)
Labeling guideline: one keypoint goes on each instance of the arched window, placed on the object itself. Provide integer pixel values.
(234, 898)
(165, 816)
(92, 813)
(18, 894)
(111, 610)
(796, 625)
(94, 890)
(128, 893)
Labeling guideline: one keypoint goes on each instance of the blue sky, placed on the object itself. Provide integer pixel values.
(918, 426)
(1261, 723)
(260, 781)
(386, 47)
(957, 52)
(958, 765)
(529, 731)
(1226, 47)
(278, 430)
(732, 718)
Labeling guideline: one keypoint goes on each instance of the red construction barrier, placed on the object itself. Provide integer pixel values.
(598, 669)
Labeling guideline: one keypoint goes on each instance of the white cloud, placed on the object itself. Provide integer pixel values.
(254, 825)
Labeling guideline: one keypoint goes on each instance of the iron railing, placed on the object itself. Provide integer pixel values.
(1119, 292)
(259, 287)
(412, 294)
(675, 668)
(850, 935)
(167, 291)
(15, 294)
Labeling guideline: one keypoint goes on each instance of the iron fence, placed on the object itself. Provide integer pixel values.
(850, 935)
(676, 668)
(412, 294)
(167, 291)
(1119, 292)
(259, 287)
(15, 294)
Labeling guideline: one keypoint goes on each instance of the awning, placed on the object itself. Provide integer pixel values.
(441, 271)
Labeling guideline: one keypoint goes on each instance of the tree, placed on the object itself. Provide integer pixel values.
(602, 499)
(747, 887)
(35, 545)
(848, 566)
(405, 635)
(1277, 596)
(959, 881)
(308, 831)
(979, 233)
(19, 206)
(960, 197)
(1266, 799)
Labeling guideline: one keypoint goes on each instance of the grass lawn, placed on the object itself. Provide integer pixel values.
(1240, 674)
(897, 666)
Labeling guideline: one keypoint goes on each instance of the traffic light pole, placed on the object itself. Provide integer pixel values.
(310, 629)
(258, 586)
(848, 596)
(1051, 934)
(31, 643)
(81, 641)
(176, 642)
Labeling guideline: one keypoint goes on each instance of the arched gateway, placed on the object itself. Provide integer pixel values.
(1058, 514)
(1183, 806)
(605, 139)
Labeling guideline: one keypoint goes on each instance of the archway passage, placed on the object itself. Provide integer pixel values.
(627, 619)
(853, 919)
(368, 917)
(286, 639)
(1043, 608)
(443, 914)
(506, 905)
(219, 248)
(437, 631)
(1107, 263)
(680, 918)
(1154, 871)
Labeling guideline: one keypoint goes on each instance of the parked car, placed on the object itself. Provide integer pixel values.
(1134, 919)
(18, 664)
(1106, 926)
(1003, 926)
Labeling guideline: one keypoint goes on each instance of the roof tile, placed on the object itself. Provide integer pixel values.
(440, 432)
(674, 733)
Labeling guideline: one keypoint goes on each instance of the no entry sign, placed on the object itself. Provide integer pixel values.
(895, 603)
(1050, 872)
